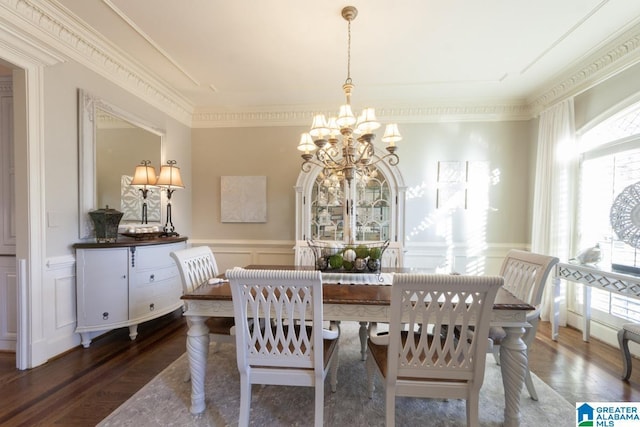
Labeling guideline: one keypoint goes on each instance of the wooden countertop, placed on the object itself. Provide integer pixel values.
(124, 241)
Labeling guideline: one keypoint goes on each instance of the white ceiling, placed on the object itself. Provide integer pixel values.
(223, 55)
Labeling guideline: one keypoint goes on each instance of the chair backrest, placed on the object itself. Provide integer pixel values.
(525, 274)
(442, 305)
(304, 255)
(196, 265)
(393, 256)
(283, 299)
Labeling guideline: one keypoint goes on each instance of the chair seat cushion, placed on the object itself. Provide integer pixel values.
(220, 325)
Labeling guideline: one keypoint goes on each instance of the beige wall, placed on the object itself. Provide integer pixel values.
(507, 146)
(269, 152)
(61, 84)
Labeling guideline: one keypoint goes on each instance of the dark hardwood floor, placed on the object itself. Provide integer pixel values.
(83, 386)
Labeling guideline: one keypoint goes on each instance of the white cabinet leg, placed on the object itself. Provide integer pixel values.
(133, 332)
(86, 339)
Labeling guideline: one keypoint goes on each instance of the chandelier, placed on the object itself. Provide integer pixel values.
(356, 153)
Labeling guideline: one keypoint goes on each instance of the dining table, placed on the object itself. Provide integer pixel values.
(362, 298)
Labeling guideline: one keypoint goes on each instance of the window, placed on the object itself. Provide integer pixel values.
(610, 162)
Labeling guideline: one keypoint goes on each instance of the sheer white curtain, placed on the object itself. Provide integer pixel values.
(556, 166)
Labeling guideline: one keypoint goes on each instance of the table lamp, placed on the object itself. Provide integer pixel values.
(144, 177)
(170, 180)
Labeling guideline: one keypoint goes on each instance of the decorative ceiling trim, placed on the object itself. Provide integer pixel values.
(47, 26)
(55, 28)
(203, 118)
(613, 58)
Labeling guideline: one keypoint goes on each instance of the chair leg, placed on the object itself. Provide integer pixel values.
(245, 400)
(529, 383)
(334, 369)
(371, 368)
(496, 354)
(473, 411)
(319, 411)
(364, 336)
(390, 407)
(623, 340)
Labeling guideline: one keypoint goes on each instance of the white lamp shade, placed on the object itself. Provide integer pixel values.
(345, 117)
(367, 121)
(319, 126)
(170, 177)
(391, 134)
(334, 129)
(144, 175)
(306, 143)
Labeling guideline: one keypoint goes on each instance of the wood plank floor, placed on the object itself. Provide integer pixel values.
(83, 386)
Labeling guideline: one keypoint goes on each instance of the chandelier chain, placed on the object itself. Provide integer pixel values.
(348, 52)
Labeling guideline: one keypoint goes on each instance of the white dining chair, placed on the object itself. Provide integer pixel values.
(288, 351)
(525, 276)
(197, 265)
(414, 361)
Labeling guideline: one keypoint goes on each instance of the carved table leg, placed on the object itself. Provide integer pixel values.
(513, 364)
(364, 335)
(197, 351)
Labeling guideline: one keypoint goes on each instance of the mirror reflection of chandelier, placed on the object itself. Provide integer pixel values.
(356, 153)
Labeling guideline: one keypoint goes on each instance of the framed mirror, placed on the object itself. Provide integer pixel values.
(112, 142)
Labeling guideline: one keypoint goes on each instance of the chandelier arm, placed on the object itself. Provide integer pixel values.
(307, 165)
(366, 154)
(328, 160)
(390, 158)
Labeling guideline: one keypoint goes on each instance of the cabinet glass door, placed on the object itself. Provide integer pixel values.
(371, 204)
(373, 210)
(327, 208)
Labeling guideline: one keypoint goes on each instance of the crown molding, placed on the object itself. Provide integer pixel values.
(613, 58)
(46, 24)
(302, 116)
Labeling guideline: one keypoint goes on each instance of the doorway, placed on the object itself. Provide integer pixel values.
(8, 282)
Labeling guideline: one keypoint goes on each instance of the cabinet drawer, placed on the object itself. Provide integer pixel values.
(155, 297)
(150, 277)
(156, 256)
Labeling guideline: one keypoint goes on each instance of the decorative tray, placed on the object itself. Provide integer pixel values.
(144, 236)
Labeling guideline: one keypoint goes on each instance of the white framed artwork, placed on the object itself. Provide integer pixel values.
(243, 198)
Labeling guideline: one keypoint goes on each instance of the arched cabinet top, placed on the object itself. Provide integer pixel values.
(306, 219)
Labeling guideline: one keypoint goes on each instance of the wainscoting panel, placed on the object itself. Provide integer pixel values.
(59, 309)
(238, 253)
(8, 306)
(458, 258)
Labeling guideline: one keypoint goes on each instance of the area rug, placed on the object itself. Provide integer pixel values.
(165, 400)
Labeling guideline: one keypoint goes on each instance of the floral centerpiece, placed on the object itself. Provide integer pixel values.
(348, 257)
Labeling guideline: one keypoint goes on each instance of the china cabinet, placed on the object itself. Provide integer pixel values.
(125, 283)
(370, 209)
